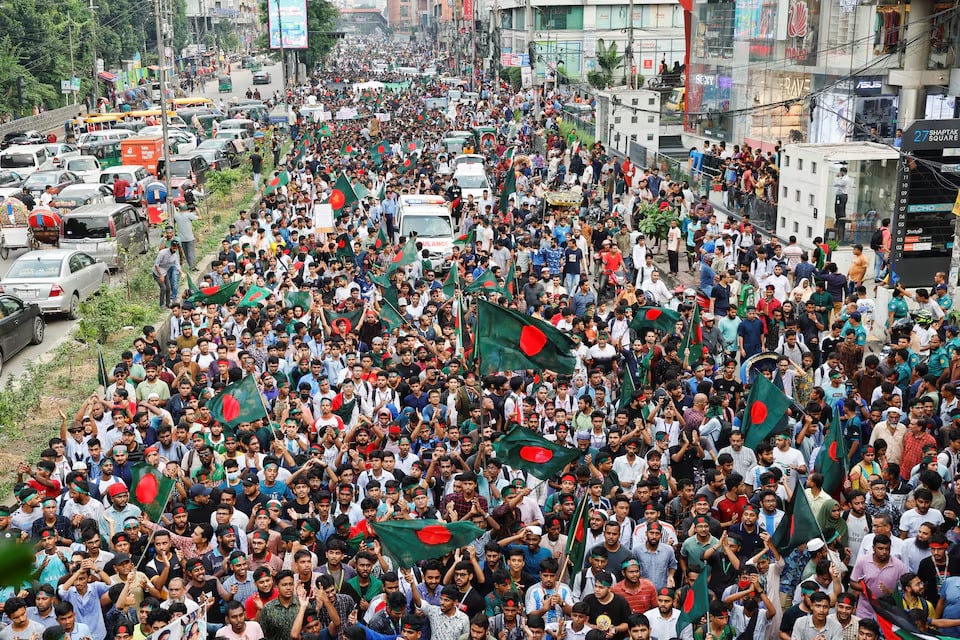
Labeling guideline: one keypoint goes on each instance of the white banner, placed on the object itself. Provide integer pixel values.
(192, 626)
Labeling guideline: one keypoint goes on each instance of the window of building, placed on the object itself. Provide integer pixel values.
(558, 18)
(783, 222)
(650, 119)
(813, 168)
(786, 192)
(633, 119)
(611, 17)
(786, 161)
(799, 164)
(810, 200)
(616, 120)
(506, 19)
(649, 137)
(797, 195)
(809, 232)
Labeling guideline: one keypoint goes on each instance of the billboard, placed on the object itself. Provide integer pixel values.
(289, 19)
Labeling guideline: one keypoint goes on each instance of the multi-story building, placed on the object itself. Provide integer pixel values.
(870, 65)
(565, 33)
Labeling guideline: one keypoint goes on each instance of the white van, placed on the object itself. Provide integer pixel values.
(472, 180)
(24, 158)
(104, 135)
(429, 217)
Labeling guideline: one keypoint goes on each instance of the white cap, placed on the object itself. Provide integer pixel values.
(815, 545)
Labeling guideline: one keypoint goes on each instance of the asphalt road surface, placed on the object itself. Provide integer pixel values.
(59, 327)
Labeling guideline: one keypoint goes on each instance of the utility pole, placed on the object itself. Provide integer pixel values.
(164, 123)
(93, 43)
(628, 76)
(532, 52)
(73, 71)
(283, 54)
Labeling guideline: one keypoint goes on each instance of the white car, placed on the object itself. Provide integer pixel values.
(10, 183)
(86, 167)
(104, 135)
(55, 279)
(179, 141)
(60, 151)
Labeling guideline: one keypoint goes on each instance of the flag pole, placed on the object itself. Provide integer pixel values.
(158, 526)
(577, 519)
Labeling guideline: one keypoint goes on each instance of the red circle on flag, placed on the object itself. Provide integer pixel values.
(434, 534)
(758, 412)
(832, 451)
(209, 291)
(688, 601)
(256, 295)
(345, 321)
(381, 149)
(147, 489)
(341, 244)
(536, 455)
(652, 314)
(337, 199)
(230, 408)
(532, 341)
(412, 146)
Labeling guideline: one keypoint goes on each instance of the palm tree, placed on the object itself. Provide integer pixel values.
(608, 60)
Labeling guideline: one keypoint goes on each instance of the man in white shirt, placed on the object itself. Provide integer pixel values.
(663, 619)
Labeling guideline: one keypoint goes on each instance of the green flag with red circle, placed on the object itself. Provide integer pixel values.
(150, 489)
(798, 525)
(410, 541)
(832, 461)
(342, 194)
(238, 402)
(255, 296)
(656, 318)
(381, 240)
(407, 255)
(346, 320)
(524, 449)
(348, 149)
(507, 340)
(576, 549)
(216, 294)
(766, 412)
(694, 602)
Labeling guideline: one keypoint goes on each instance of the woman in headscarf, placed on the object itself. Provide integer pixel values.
(802, 291)
(830, 516)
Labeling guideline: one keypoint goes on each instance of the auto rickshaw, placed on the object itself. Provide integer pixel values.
(255, 66)
(108, 152)
(226, 84)
(482, 134)
(454, 145)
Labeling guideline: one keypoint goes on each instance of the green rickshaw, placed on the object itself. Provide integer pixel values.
(255, 66)
(484, 135)
(226, 84)
(108, 152)
(454, 145)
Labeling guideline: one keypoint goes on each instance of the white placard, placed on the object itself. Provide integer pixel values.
(323, 218)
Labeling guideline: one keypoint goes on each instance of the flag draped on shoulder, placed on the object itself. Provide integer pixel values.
(238, 402)
(524, 449)
(410, 541)
(766, 412)
(508, 340)
(150, 489)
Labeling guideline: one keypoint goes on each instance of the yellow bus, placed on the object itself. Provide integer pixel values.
(186, 103)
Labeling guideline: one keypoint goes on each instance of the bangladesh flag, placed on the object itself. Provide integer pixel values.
(895, 623)
(345, 247)
(343, 409)
(217, 294)
(389, 314)
(150, 489)
(351, 319)
(467, 238)
(342, 194)
(691, 347)
(508, 340)
(348, 149)
(381, 240)
(279, 179)
(695, 602)
(576, 549)
(486, 281)
(626, 389)
(523, 449)
(410, 162)
(643, 369)
(766, 411)
(452, 282)
(382, 281)
(297, 298)
(325, 131)
(798, 525)
(832, 459)
(656, 318)
(256, 295)
(510, 281)
(413, 146)
(508, 188)
(238, 402)
(410, 541)
(407, 255)
(380, 149)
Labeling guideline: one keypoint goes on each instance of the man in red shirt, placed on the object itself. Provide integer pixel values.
(729, 508)
(916, 440)
(41, 480)
(639, 592)
(766, 306)
(120, 187)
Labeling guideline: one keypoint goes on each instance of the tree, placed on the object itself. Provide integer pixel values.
(608, 60)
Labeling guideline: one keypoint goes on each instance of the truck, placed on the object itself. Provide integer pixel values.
(145, 151)
(428, 217)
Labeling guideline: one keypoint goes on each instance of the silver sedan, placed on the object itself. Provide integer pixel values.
(55, 279)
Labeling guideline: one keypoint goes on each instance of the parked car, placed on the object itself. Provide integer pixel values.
(216, 158)
(10, 183)
(135, 174)
(58, 179)
(241, 138)
(60, 151)
(179, 141)
(261, 77)
(187, 168)
(24, 137)
(78, 195)
(108, 232)
(86, 167)
(55, 279)
(226, 146)
(21, 324)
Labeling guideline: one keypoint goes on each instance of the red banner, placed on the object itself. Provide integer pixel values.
(468, 10)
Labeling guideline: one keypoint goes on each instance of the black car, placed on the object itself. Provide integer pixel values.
(22, 137)
(21, 324)
(261, 77)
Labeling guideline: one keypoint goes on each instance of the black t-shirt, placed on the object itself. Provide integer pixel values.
(618, 610)
(790, 617)
(256, 162)
(215, 612)
(729, 387)
(472, 603)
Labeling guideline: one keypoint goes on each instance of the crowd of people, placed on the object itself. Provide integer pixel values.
(270, 524)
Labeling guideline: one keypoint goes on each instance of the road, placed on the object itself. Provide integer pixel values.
(59, 327)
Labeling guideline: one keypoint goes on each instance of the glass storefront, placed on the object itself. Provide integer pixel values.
(869, 200)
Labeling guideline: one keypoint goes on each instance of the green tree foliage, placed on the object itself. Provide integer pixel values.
(36, 43)
(608, 60)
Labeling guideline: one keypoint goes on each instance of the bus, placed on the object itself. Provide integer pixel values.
(186, 103)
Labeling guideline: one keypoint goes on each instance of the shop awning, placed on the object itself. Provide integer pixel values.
(106, 76)
(153, 67)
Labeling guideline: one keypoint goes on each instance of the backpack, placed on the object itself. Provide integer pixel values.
(876, 240)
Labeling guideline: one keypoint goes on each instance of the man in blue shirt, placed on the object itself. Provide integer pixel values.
(750, 334)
